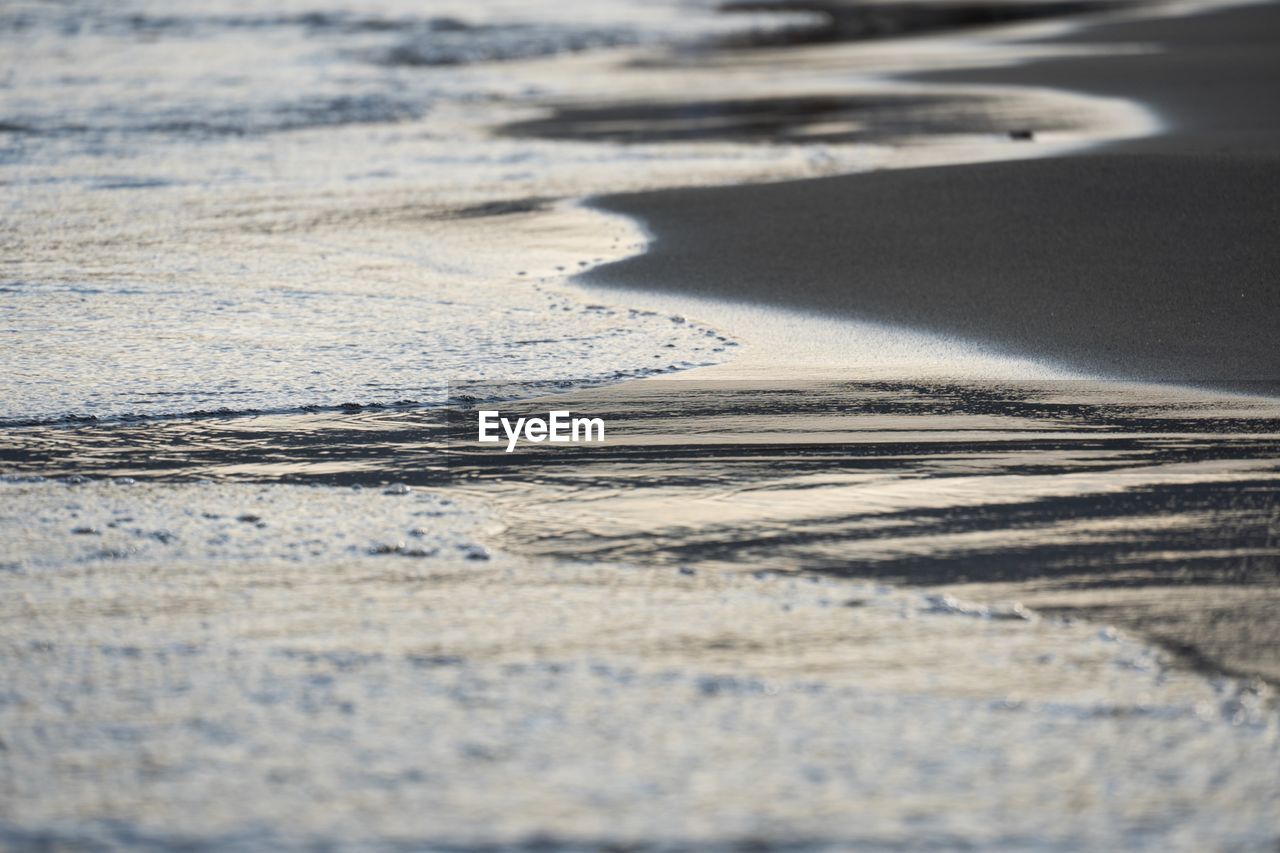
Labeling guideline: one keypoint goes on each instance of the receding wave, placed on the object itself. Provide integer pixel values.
(1156, 509)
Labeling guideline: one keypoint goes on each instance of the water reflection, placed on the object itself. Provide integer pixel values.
(1155, 509)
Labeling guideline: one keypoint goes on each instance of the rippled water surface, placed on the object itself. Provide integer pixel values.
(224, 207)
(260, 588)
(858, 594)
(1054, 492)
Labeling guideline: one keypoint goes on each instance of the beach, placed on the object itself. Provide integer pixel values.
(1148, 259)
(935, 502)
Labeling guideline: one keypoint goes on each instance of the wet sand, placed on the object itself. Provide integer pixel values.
(1153, 259)
(1155, 511)
(761, 618)
(360, 629)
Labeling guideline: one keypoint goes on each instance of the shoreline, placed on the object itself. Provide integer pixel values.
(764, 614)
(980, 252)
(1140, 301)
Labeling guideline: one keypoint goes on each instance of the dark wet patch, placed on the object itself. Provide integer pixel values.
(127, 182)
(239, 121)
(500, 208)
(814, 119)
(1133, 526)
(462, 44)
(850, 20)
(144, 26)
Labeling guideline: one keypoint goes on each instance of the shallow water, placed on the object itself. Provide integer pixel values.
(1052, 492)
(294, 683)
(259, 588)
(229, 209)
(771, 615)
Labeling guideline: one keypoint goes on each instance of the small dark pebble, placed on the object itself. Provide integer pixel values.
(1023, 135)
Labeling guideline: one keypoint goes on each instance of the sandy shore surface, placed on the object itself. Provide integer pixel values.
(1152, 259)
(291, 667)
(760, 618)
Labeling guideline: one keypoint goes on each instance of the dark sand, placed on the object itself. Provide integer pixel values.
(1154, 259)
(1162, 517)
